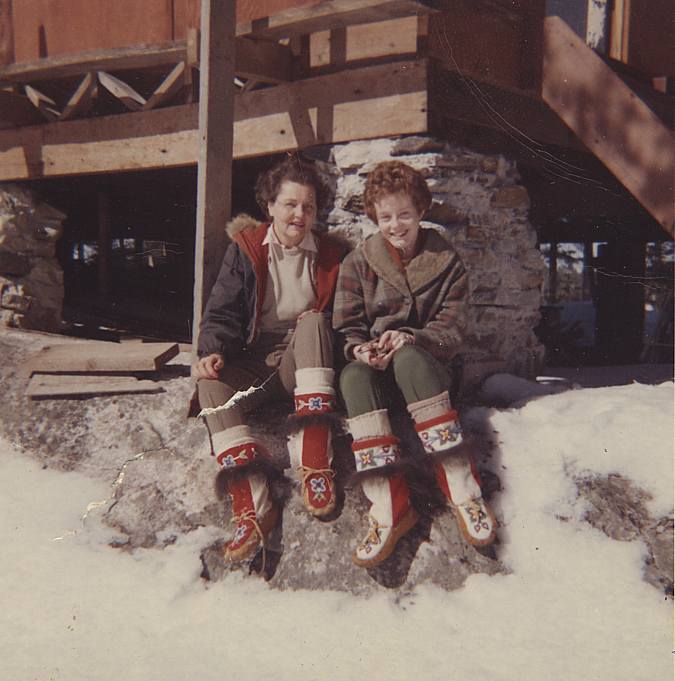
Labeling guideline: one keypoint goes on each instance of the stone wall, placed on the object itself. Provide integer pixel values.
(31, 280)
(479, 203)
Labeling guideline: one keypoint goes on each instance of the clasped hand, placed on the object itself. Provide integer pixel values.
(208, 367)
(378, 353)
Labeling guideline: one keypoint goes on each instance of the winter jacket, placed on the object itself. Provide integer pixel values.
(428, 299)
(232, 314)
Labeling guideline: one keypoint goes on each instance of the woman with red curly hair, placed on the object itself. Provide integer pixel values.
(400, 307)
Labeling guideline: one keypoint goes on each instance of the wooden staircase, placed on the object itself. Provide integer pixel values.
(610, 119)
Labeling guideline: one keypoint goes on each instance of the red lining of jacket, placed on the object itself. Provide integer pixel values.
(327, 265)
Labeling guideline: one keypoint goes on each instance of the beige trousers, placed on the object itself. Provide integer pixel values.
(309, 345)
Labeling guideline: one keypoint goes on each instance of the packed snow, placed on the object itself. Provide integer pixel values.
(574, 608)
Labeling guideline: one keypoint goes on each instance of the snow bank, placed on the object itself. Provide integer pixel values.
(575, 606)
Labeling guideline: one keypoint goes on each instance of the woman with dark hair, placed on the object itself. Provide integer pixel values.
(268, 317)
(400, 306)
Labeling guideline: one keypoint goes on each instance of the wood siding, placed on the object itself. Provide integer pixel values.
(46, 28)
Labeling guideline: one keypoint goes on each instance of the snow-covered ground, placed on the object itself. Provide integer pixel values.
(574, 608)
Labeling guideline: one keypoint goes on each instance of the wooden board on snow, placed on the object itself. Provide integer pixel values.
(101, 357)
(51, 385)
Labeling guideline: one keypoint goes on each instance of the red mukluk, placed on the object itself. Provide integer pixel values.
(245, 464)
(309, 444)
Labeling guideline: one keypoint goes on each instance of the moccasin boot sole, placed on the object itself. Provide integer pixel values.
(408, 521)
(249, 548)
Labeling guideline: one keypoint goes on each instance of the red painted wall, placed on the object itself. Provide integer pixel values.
(46, 28)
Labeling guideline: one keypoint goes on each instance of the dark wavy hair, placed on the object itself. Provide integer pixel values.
(292, 169)
(392, 177)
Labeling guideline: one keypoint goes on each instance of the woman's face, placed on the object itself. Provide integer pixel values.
(399, 222)
(293, 212)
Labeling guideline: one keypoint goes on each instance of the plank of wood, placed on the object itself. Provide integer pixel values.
(122, 91)
(216, 132)
(45, 105)
(79, 357)
(367, 41)
(82, 99)
(168, 88)
(341, 104)
(53, 385)
(124, 58)
(331, 14)
(610, 120)
(266, 60)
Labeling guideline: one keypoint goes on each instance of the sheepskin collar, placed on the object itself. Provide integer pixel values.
(435, 256)
(240, 223)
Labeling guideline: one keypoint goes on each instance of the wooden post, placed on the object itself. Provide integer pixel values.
(553, 272)
(216, 122)
(587, 273)
(104, 245)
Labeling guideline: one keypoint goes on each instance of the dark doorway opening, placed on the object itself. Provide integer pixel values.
(127, 249)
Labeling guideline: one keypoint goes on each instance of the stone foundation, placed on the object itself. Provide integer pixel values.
(478, 202)
(31, 280)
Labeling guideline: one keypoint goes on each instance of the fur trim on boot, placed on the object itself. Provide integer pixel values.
(244, 477)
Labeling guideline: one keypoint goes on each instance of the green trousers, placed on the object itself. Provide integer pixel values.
(412, 372)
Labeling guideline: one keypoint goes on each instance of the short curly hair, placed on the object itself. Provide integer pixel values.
(292, 169)
(392, 177)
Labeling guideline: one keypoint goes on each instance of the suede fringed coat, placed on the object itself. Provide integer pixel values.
(428, 299)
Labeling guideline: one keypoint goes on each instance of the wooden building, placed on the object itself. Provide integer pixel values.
(579, 92)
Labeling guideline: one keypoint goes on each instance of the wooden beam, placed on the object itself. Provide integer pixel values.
(104, 246)
(362, 43)
(82, 99)
(267, 61)
(216, 123)
(122, 91)
(51, 385)
(45, 105)
(331, 14)
(125, 58)
(375, 101)
(100, 357)
(610, 120)
(168, 88)
(618, 37)
(553, 272)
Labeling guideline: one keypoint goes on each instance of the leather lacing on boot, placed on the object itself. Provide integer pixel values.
(251, 517)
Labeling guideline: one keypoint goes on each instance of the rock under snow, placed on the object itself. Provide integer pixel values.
(161, 481)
